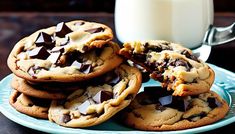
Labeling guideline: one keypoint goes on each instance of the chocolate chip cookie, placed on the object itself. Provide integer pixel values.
(38, 91)
(157, 109)
(95, 104)
(29, 105)
(172, 65)
(45, 59)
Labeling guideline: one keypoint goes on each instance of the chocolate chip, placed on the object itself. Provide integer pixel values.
(45, 40)
(77, 64)
(95, 30)
(66, 118)
(157, 76)
(213, 102)
(39, 53)
(33, 70)
(156, 91)
(166, 100)
(179, 62)
(190, 56)
(83, 107)
(98, 51)
(102, 96)
(139, 57)
(86, 68)
(180, 103)
(145, 77)
(201, 115)
(62, 29)
(115, 78)
(54, 57)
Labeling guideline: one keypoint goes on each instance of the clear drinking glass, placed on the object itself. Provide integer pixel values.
(180, 21)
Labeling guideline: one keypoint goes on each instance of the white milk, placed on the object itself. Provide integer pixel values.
(180, 21)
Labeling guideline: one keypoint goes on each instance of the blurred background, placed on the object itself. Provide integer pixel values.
(83, 5)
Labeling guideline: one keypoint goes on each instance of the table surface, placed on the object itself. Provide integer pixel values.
(14, 26)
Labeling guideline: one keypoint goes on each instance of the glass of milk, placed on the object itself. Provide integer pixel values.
(179, 21)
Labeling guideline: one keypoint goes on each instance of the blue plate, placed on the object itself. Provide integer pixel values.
(224, 85)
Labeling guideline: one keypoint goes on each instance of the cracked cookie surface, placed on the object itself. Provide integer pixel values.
(29, 105)
(172, 65)
(43, 64)
(153, 111)
(95, 104)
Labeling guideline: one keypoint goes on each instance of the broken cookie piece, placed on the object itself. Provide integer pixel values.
(172, 65)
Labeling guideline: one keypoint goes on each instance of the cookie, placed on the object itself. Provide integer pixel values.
(41, 64)
(37, 91)
(29, 105)
(154, 109)
(172, 65)
(97, 103)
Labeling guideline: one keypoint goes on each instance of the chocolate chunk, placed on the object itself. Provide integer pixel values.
(102, 96)
(190, 56)
(145, 76)
(201, 115)
(213, 102)
(179, 62)
(180, 103)
(166, 100)
(157, 76)
(139, 57)
(45, 40)
(33, 70)
(66, 118)
(95, 30)
(54, 57)
(86, 68)
(156, 91)
(39, 53)
(98, 51)
(77, 64)
(115, 78)
(83, 107)
(153, 93)
(62, 29)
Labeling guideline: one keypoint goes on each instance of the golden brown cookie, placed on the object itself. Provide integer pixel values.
(42, 64)
(95, 104)
(29, 105)
(154, 109)
(37, 91)
(172, 65)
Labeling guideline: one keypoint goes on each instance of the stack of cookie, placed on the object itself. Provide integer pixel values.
(71, 74)
(184, 101)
